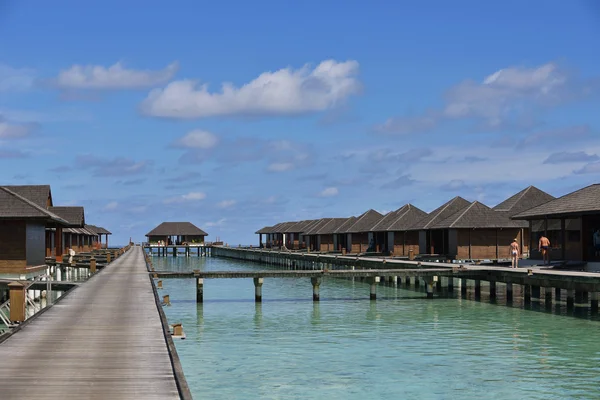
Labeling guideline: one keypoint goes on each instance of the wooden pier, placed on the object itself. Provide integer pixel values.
(104, 340)
(178, 250)
(540, 284)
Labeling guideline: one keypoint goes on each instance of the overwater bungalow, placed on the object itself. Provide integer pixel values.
(295, 234)
(324, 235)
(360, 238)
(176, 233)
(479, 233)
(102, 231)
(22, 234)
(475, 231)
(435, 241)
(75, 237)
(264, 231)
(392, 233)
(571, 222)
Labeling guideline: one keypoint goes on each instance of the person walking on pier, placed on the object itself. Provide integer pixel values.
(514, 253)
(544, 247)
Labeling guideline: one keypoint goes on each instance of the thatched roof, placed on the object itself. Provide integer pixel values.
(314, 228)
(478, 216)
(331, 226)
(39, 194)
(176, 229)
(400, 220)
(582, 201)
(266, 229)
(343, 227)
(299, 227)
(75, 215)
(365, 222)
(16, 206)
(524, 200)
(441, 213)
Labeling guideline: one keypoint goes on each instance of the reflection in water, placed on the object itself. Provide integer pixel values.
(399, 346)
(258, 315)
(316, 313)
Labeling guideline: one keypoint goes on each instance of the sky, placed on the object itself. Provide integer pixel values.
(235, 115)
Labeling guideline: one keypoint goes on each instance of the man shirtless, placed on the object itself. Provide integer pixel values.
(514, 253)
(544, 247)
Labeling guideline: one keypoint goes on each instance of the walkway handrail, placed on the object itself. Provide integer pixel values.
(4, 318)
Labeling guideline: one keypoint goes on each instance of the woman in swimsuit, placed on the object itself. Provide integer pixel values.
(514, 252)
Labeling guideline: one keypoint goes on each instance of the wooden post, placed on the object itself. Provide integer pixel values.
(258, 282)
(108, 258)
(92, 265)
(200, 290)
(166, 300)
(177, 329)
(58, 244)
(159, 284)
(316, 283)
(17, 301)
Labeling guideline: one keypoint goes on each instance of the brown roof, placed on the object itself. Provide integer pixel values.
(407, 218)
(266, 229)
(39, 194)
(365, 222)
(282, 228)
(176, 229)
(75, 215)
(331, 226)
(582, 201)
(478, 215)
(349, 222)
(400, 220)
(13, 205)
(315, 227)
(441, 213)
(311, 225)
(299, 227)
(524, 200)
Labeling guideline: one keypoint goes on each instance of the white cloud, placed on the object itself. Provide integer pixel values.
(500, 166)
(198, 139)
(329, 192)
(116, 76)
(503, 92)
(226, 203)
(112, 206)
(503, 98)
(220, 222)
(283, 92)
(16, 79)
(14, 131)
(280, 167)
(190, 197)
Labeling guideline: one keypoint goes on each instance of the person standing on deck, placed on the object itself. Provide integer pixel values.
(514, 253)
(544, 247)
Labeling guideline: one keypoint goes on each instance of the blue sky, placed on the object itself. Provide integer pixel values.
(234, 115)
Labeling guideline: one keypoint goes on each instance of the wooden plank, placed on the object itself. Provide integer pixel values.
(105, 340)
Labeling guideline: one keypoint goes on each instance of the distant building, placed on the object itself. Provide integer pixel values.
(177, 233)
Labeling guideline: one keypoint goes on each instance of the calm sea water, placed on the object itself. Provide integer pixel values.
(401, 346)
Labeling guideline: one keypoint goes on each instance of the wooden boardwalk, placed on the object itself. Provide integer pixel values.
(103, 341)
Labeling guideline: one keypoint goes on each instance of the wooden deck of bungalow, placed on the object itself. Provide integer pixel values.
(106, 339)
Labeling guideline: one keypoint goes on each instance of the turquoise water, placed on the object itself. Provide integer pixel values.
(348, 347)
